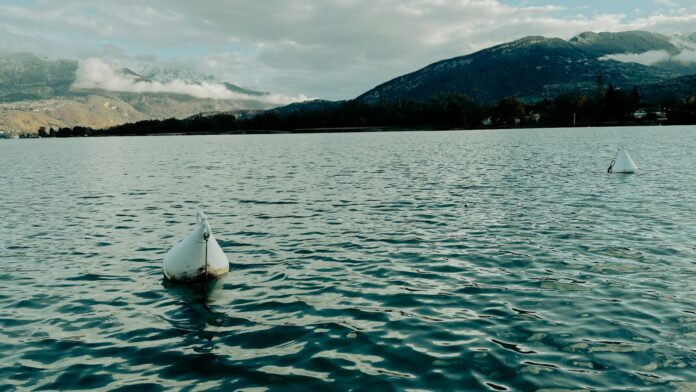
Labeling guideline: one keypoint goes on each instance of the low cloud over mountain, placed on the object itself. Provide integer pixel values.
(683, 52)
(39, 92)
(536, 67)
(95, 73)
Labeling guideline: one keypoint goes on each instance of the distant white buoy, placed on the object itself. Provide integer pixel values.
(196, 257)
(623, 163)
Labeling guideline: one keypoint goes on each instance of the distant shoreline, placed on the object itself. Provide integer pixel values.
(325, 130)
(332, 130)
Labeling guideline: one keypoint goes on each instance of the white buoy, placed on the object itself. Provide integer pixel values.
(623, 163)
(197, 257)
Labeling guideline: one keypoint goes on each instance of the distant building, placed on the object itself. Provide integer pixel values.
(652, 114)
(640, 114)
(531, 116)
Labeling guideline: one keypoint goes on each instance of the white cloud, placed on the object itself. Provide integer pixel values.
(686, 54)
(688, 50)
(686, 57)
(94, 73)
(645, 58)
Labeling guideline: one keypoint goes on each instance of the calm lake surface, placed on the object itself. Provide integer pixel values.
(470, 260)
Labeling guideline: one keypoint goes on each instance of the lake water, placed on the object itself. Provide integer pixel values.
(470, 260)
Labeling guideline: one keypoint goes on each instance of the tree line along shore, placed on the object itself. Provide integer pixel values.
(606, 107)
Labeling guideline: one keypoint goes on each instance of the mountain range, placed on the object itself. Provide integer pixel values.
(533, 68)
(38, 92)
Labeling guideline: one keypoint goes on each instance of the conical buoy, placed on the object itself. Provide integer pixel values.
(197, 257)
(623, 163)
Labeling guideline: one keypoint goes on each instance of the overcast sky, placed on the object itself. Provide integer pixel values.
(332, 49)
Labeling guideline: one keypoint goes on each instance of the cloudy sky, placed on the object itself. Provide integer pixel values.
(331, 49)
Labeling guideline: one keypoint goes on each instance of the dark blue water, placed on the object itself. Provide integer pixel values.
(475, 260)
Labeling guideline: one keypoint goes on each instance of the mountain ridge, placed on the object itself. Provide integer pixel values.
(535, 67)
(37, 92)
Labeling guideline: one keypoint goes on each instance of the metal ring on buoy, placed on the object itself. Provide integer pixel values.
(611, 166)
(205, 236)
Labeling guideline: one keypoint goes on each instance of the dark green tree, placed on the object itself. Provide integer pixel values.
(508, 109)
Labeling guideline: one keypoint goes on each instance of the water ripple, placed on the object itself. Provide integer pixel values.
(484, 260)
